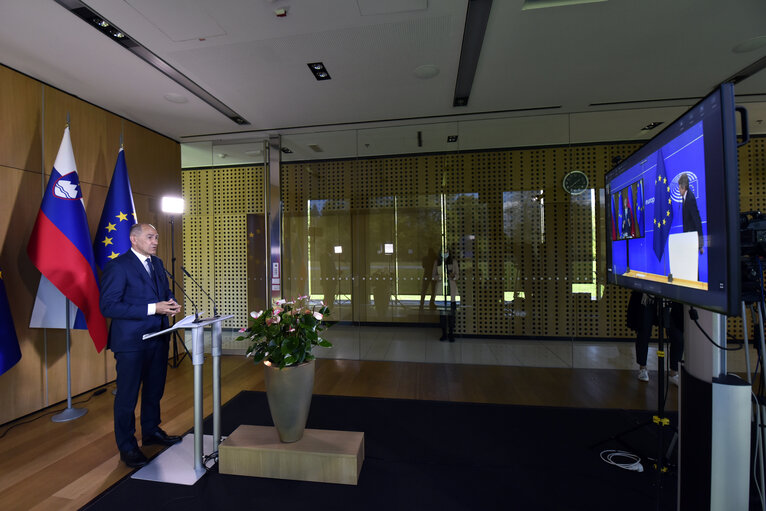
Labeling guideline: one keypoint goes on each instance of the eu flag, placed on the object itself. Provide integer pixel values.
(663, 211)
(10, 353)
(119, 214)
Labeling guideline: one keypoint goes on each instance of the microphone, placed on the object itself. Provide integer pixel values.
(215, 309)
(196, 313)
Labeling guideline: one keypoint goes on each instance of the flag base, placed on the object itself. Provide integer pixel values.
(69, 414)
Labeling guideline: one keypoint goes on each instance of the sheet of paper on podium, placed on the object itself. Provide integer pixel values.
(684, 255)
(188, 320)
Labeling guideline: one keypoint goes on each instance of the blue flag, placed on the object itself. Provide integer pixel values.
(10, 353)
(113, 233)
(663, 211)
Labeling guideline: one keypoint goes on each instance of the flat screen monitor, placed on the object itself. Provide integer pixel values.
(672, 210)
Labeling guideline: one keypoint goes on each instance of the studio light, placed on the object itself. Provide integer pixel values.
(172, 205)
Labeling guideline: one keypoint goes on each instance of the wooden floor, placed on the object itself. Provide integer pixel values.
(60, 466)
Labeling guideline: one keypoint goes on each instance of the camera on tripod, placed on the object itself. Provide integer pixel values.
(752, 229)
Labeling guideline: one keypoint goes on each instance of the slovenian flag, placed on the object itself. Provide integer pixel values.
(119, 214)
(60, 245)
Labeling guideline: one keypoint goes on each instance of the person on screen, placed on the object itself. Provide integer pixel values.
(689, 210)
(627, 220)
(641, 317)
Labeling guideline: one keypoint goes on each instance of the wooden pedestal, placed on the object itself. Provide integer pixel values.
(323, 456)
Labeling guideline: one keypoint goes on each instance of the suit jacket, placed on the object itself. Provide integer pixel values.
(691, 215)
(126, 292)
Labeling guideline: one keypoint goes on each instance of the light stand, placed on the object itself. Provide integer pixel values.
(174, 206)
(663, 456)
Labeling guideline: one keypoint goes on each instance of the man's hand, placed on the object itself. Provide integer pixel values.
(168, 308)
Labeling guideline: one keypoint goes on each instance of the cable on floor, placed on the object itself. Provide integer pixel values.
(613, 457)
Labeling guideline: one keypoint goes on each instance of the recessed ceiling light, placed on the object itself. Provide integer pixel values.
(426, 71)
(176, 98)
(287, 150)
(451, 138)
(320, 72)
(750, 45)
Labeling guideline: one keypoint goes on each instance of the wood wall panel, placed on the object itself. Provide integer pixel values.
(21, 114)
(34, 118)
(22, 388)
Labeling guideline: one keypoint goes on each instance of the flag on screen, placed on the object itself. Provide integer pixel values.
(663, 212)
(614, 220)
(620, 210)
(10, 353)
(119, 214)
(60, 244)
(640, 208)
(631, 214)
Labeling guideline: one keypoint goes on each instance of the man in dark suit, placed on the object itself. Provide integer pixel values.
(689, 211)
(136, 295)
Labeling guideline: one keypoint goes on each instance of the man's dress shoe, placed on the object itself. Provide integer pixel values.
(133, 458)
(159, 437)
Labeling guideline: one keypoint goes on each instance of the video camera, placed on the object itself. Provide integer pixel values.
(752, 228)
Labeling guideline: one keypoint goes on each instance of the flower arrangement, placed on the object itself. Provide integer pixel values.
(285, 333)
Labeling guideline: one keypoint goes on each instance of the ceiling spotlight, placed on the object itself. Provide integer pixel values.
(100, 23)
(175, 98)
(651, 126)
(117, 34)
(426, 71)
(451, 138)
(319, 71)
(287, 150)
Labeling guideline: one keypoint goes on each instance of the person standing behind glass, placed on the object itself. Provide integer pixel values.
(641, 317)
(430, 277)
(451, 269)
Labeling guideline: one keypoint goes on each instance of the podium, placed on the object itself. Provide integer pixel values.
(173, 465)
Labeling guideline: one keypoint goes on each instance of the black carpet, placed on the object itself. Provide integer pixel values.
(424, 455)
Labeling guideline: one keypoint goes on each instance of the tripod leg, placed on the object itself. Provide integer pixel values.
(176, 361)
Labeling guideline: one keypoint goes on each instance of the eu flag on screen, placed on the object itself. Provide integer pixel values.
(663, 211)
(10, 353)
(119, 214)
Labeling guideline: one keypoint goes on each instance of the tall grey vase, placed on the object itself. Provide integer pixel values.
(288, 392)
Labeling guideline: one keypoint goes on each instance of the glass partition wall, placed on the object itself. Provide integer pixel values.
(409, 232)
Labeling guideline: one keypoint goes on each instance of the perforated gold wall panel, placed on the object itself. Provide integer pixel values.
(531, 255)
(215, 235)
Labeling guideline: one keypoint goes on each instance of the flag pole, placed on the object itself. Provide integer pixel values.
(70, 413)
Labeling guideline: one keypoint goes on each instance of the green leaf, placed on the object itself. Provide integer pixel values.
(324, 343)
